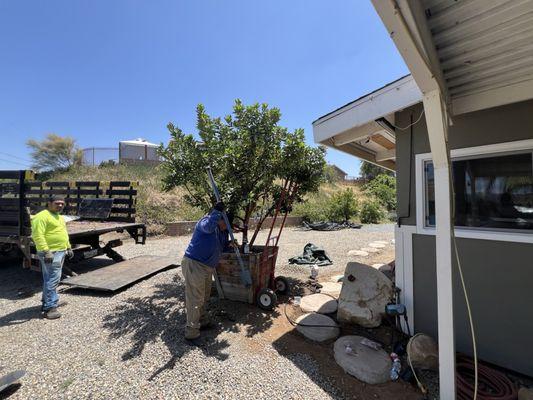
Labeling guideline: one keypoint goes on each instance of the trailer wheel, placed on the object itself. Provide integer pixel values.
(282, 285)
(266, 299)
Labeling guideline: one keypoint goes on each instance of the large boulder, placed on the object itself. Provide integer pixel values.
(319, 303)
(364, 295)
(307, 325)
(366, 364)
(424, 352)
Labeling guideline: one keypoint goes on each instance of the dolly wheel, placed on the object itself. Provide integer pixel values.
(282, 285)
(266, 299)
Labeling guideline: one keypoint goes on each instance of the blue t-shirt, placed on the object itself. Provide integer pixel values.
(208, 241)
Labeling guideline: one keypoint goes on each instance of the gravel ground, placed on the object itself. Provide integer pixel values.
(130, 345)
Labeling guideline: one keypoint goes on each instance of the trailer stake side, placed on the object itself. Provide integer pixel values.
(21, 197)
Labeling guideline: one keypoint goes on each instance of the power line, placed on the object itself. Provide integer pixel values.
(14, 162)
(17, 157)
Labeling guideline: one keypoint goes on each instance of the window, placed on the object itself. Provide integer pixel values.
(493, 192)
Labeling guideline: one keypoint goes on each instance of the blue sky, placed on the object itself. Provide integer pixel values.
(104, 71)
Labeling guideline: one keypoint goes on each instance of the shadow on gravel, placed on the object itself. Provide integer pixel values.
(16, 282)
(21, 316)
(161, 316)
(11, 390)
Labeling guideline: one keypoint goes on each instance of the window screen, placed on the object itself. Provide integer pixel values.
(491, 192)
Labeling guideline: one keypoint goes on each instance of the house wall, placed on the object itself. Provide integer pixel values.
(498, 274)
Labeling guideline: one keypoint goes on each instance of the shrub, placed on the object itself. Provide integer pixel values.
(342, 206)
(314, 209)
(383, 188)
(371, 212)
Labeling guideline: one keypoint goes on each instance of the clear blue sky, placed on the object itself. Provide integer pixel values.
(104, 71)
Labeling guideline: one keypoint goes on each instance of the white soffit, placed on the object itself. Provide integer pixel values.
(362, 112)
(485, 49)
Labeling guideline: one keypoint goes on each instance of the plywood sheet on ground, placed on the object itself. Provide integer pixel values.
(121, 274)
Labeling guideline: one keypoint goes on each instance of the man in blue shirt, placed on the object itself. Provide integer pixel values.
(209, 240)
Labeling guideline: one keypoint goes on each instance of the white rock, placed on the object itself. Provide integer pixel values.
(366, 364)
(317, 334)
(364, 295)
(370, 249)
(377, 266)
(358, 253)
(331, 288)
(393, 241)
(337, 278)
(318, 302)
(377, 245)
(424, 352)
(381, 241)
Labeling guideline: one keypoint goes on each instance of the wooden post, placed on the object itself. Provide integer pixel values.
(437, 125)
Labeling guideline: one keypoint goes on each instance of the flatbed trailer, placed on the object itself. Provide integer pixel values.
(21, 197)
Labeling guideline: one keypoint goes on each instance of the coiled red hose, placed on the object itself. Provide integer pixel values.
(493, 385)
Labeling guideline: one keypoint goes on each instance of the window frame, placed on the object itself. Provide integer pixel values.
(500, 149)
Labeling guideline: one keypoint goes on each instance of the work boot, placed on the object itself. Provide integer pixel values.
(191, 333)
(52, 313)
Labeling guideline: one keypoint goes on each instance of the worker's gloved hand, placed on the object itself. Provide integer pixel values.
(48, 257)
(220, 206)
(70, 254)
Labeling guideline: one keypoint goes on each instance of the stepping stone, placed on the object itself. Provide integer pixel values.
(331, 288)
(370, 249)
(377, 245)
(358, 253)
(378, 266)
(315, 333)
(337, 278)
(366, 364)
(319, 303)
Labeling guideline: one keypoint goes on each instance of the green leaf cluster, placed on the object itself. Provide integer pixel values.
(252, 157)
(383, 188)
(343, 206)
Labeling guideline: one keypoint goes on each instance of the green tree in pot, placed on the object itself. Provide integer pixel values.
(253, 160)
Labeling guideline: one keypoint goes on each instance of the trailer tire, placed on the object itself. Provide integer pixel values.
(266, 299)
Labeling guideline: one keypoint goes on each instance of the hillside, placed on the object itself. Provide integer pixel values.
(155, 207)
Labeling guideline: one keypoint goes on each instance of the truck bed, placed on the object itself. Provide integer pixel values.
(81, 228)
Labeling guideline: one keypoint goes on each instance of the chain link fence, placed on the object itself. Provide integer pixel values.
(95, 156)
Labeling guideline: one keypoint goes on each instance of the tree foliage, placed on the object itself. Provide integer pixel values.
(370, 171)
(383, 188)
(371, 212)
(54, 152)
(330, 175)
(342, 206)
(252, 159)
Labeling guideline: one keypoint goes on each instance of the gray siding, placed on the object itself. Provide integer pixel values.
(499, 275)
(499, 279)
(496, 125)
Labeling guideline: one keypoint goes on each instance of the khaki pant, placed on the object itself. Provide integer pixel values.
(198, 281)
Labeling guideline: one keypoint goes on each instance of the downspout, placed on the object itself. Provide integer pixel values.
(408, 215)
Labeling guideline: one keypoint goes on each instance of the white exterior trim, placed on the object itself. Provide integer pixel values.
(404, 277)
(385, 101)
(470, 233)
